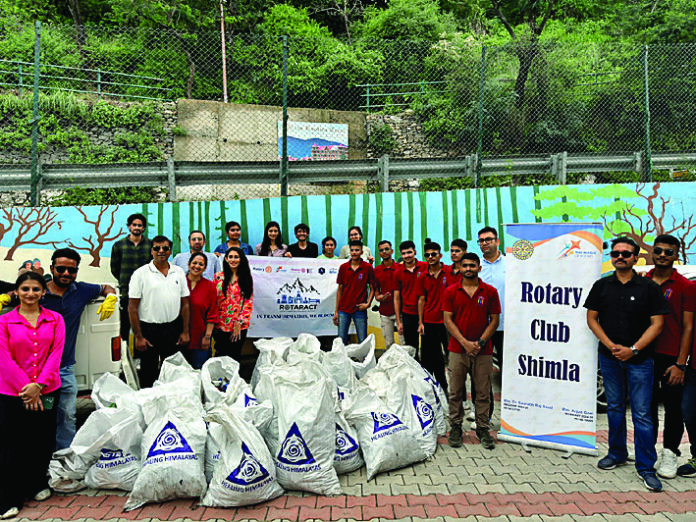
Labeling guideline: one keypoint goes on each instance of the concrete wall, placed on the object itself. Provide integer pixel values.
(215, 131)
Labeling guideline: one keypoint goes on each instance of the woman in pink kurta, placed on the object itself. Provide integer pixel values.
(235, 296)
(31, 346)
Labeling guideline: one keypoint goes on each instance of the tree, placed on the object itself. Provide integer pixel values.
(182, 18)
(643, 225)
(535, 14)
(33, 224)
(96, 241)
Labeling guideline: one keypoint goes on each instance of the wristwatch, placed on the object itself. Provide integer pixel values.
(481, 343)
(634, 350)
(682, 367)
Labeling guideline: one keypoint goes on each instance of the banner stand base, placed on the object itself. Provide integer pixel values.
(527, 445)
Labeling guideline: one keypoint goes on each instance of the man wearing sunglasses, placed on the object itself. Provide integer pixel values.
(431, 288)
(69, 298)
(626, 313)
(671, 349)
(159, 310)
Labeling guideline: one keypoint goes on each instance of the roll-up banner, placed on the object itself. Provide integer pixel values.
(293, 296)
(550, 355)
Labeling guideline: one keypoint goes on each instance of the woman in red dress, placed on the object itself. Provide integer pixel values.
(203, 311)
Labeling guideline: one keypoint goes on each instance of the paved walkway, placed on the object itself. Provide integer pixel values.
(467, 483)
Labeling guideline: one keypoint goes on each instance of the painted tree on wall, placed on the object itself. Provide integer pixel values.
(34, 223)
(105, 229)
(643, 226)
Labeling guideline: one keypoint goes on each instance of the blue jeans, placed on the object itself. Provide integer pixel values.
(360, 320)
(196, 358)
(639, 379)
(689, 407)
(67, 408)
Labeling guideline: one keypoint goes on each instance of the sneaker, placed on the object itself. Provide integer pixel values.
(42, 495)
(471, 416)
(688, 469)
(472, 425)
(609, 462)
(651, 482)
(486, 439)
(668, 464)
(455, 437)
(10, 513)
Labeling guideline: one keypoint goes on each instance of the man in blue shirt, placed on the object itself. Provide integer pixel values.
(234, 235)
(69, 298)
(196, 242)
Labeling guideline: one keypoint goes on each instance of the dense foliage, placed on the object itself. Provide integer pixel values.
(558, 75)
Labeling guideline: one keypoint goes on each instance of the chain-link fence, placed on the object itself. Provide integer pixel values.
(264, 115)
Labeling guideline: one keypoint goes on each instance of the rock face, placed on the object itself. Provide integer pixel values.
(410, 140)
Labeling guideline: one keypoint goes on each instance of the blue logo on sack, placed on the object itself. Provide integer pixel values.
(250, 470)
(423, 410)
(345, 444)
(250, 401)
(109, 454)
(294, 450)
(170, 440)
(384, 421)
(434, 385)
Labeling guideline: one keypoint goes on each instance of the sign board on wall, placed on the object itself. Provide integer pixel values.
(309, 141)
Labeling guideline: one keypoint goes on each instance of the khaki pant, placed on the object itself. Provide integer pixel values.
(481, 367)
(388, 330)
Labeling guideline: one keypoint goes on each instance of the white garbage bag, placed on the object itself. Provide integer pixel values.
(175, 367)
(387, 443)
(109, 391)
(172, 452)
(362, 356)
(397, 355)
(246, 472)
(302, 438)
(270, 351)
(306, 346)
(348, 456)
(66, 471)
(221, 381)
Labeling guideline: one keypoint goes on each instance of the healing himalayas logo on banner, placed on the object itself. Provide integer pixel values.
(298, 296)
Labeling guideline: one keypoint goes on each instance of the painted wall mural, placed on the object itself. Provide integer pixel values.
(641, 211)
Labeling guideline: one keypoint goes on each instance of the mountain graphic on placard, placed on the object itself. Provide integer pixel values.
(301, 149)
(296, 285)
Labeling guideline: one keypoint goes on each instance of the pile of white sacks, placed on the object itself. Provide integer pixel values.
(308, 417)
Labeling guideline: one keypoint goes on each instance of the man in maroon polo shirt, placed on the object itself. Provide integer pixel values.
(384, 276)
(471, 313)
(406, 294)
(431, 288)
(672, 349)
(457, 250)
(352, 299)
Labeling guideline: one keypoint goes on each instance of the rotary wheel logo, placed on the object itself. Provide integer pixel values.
(522, 249)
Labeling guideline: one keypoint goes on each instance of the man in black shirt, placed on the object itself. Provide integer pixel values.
(303, 247)
(626, 313)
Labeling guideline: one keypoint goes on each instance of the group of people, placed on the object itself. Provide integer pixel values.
(644, 324)
(452, 314)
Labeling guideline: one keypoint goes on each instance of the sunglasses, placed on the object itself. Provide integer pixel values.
(485, 240)
(667, 251)
(165, 248)
(621, 253)
(69, 269)
(431, 254)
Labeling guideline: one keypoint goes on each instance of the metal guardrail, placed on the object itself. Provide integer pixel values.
(17, 177)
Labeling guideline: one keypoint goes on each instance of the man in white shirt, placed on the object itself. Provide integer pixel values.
(158, 308)
(196, 244)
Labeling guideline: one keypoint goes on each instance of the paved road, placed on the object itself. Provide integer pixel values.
(467, 483)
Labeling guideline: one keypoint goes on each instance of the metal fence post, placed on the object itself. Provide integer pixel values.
(647, 165)
(479, 148)
(171, 179)
(284, 156)
(34, 194)
(383, 172)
